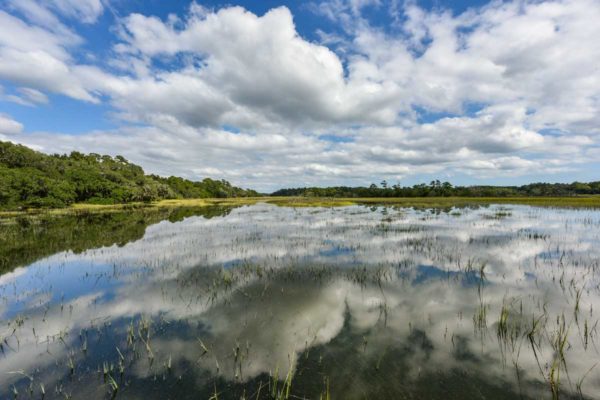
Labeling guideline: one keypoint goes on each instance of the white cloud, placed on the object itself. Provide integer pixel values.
(9, 126)
(33, 95)
(86, 11)
(43, 11)
(37, 13)
(261, 64)
(33, 56)
(245, 65)
(25, 96)
(497, 75)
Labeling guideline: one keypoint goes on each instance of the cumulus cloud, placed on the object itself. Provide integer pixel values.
(509, 88)
(244, 65)
(39, 58)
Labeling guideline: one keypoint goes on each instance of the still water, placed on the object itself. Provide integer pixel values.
(267, 302)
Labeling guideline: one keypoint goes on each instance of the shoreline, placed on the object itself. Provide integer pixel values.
(592, 201)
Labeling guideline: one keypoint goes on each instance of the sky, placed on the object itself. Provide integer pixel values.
(270, 94)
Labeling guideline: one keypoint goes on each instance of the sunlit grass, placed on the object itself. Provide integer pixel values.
(417, 202)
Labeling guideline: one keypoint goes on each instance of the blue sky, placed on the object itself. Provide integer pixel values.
(271, 94)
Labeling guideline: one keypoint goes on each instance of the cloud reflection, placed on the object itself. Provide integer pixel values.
(255, 292)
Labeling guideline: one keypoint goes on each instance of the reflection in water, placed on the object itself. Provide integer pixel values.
(351, 303)
(27, 239)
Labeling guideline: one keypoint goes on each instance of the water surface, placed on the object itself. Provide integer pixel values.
(356, 302)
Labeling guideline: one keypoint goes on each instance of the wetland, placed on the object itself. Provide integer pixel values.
(257, 301)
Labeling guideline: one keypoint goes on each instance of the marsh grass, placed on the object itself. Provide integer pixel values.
(438, 202)
(447, 203)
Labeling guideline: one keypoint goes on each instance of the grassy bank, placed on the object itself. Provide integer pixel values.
(79, 209)
(420, 202)
(572, 201)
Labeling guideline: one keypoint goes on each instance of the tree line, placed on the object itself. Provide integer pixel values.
(31, 179)
(445, 189)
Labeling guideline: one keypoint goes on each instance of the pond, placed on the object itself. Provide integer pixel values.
(267, 302)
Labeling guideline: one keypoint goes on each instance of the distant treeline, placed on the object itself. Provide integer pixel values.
(446, 189)
(32, 179)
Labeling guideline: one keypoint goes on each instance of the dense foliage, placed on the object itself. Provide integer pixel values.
(446, 189)
(32, 179)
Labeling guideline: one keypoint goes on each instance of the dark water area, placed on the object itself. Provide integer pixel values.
(266, 302)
